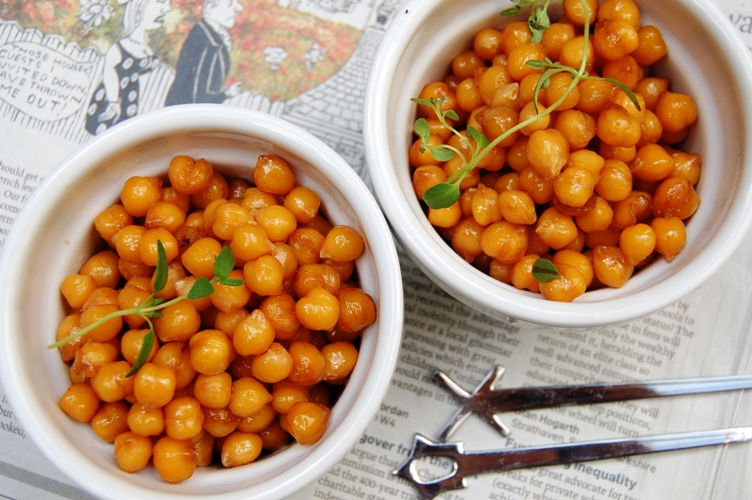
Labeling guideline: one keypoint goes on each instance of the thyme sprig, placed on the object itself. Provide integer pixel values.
(203, 287)
(447, 193)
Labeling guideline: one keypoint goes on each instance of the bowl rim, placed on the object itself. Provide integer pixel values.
(472, 287)
(209, 118)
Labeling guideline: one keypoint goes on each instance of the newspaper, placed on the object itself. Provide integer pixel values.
(310, 66)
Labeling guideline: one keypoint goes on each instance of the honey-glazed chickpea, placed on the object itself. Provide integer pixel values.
(254, 198)
(69, 326)
(517, 207)
(340, 359)
(637, 243)
(211, 352)
(507, 182)
(614, 39)
(517, 154)
(139, 194)
(652, 130)
(228, 297)
(540, 189)
(498, 120)
(595, 96)
(229, 321)
(306, 421)
(203, 445)
(650, 88)
(635, 208)
(616, 127)
(571, 53)
(555, 229)
(178, 322)
(491, 80)
(216, 190)
(107, 330)
(436, 90)
(111, 220)
(534, 243)
(611, 266)
(687, 165)
(577, 260)
(609, 237)
(426, 177)
(318, 310)
(520, 55)
(129, 270)
(547, 152)
(154, 385)
(577, 127)
(240, 448)
(130, 345)
(625, 70)
(651, 46)
(184, 286)
(485, 206)
(522, 274)
(554, 37)
(528, 111)
(264, 276)
(670, 236)
(454, 165)
(504, 241)
(652, 163)
(220, 422)
(253, 335)
(148, 246)
(466, 202)
(111, 384)
(310, 276)
(675, 111)
(213, 391)
(466, 239)
(227, 218)
(145, 420)
(487, 43)
(589, 160)
(276, 221)
(465, 64)
(615, 183)
(272, 365)
(598, 219)
(625, 10)
(248, 397)
(164, 215)
(570, 284)
(286, 394)
(445, 217)
(557, 89)
(198, 259)
(175, 460)
(183, 418)
(132, 452)
(574, 186)
(80, 401)
(76, 288)
(342, 244)
(189, 176)
(171, 195)
(468, 95)
(674, 197)
(515, 33)
(308, 364)
(103, 268)
(272, 174)
(306, 244)
(274, 437)
(248, 242)
(526, 92)
(501, 272)
(175, 273)
(279, 310)
(128, 243)
(575, 13)
(265, 416)
(422, 158)
(130, 297)
(303, 203)
(672, 138)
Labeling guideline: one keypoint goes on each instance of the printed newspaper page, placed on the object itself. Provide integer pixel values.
(71, 69)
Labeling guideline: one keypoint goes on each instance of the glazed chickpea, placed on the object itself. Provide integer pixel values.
(616, 127)
(670, 236)
(69, 326)
(228, 297)
(273, 175)
(614, 39)
(213, 391)
(595, 96)
(189, 176)
(253, 335)
(625, 10)
(178, 322)
(76, 288)
(557, 90)
(171, 195)
(466, 239)
(652, 130)
(554, 37)
(357, 309)
(578, 128)
(254, 198)
(487, 43)
(107, 330)
(652, 163)
(176, 355)
(574, 186)
(609, 237)
(145, 420)
(522, 274)
(266, 415)
(272, 365)
(342, 244)
(175, 460)
(520, 55)
(102, 267)
(426, 177)
(112, 220)
(547, 152)
(633, 209)
(650, 88)
(496, 121)
(465, 64)
(228, 322)
(575, 259)
(308, 364)
(249, 242)
(436, 90)
(132, 451)
(248, 397)
(468, 96)
(199, 258)
(306, 244)
(203, 446)
(494, 83)
(598, 219)
(651, 46)
(445, 217)
(571, 52)
(80, 402)
(484, 206)
(264, 276)
(306, 421)
(240, 448)
(611, 266)
(675, 111)
(164, 215)
(339, 360)
(318, 310)
(454, 165)
(504, 241)
(615, 183)
(637, 243)
(303, 203)
(130, 345)
(286, 394)
(227, 218)
(539, 188)
(555, 229)
(183, 418)
(686, 165)
(517, 207)
(674, 197)
(515, 33)
(148, 245)
(154, 385)
(575, 13)
(220, 422)
(279, 310)
(139, 194)
(276, 221)
(211, 352)
(570, 285)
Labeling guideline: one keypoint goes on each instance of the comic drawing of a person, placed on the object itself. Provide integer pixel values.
(117, 97)
(204, 61)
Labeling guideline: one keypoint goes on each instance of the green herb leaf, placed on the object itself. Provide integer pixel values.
(421, 128)
(156, 301)
(613, 81)
(231, 282)
(442, 195)
(538, 23)
(224, 263)
(511, 11)
(160, 280)
(424, 102)
(545, 271)
(537, 64)
(155, 314)
(143, 353)
(200, 289)
(440, 153)
(451, 114)
(480, 139)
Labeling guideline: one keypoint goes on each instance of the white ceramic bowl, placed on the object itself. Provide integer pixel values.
(54, 235)
(704, 60)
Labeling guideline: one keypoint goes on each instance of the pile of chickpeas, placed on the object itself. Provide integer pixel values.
(597, 187)
(233, 375)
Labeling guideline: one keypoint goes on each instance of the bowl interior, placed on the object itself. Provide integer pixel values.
(701, 61)
(57, 236)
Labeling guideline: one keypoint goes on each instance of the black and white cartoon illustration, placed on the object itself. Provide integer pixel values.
(204, 61)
